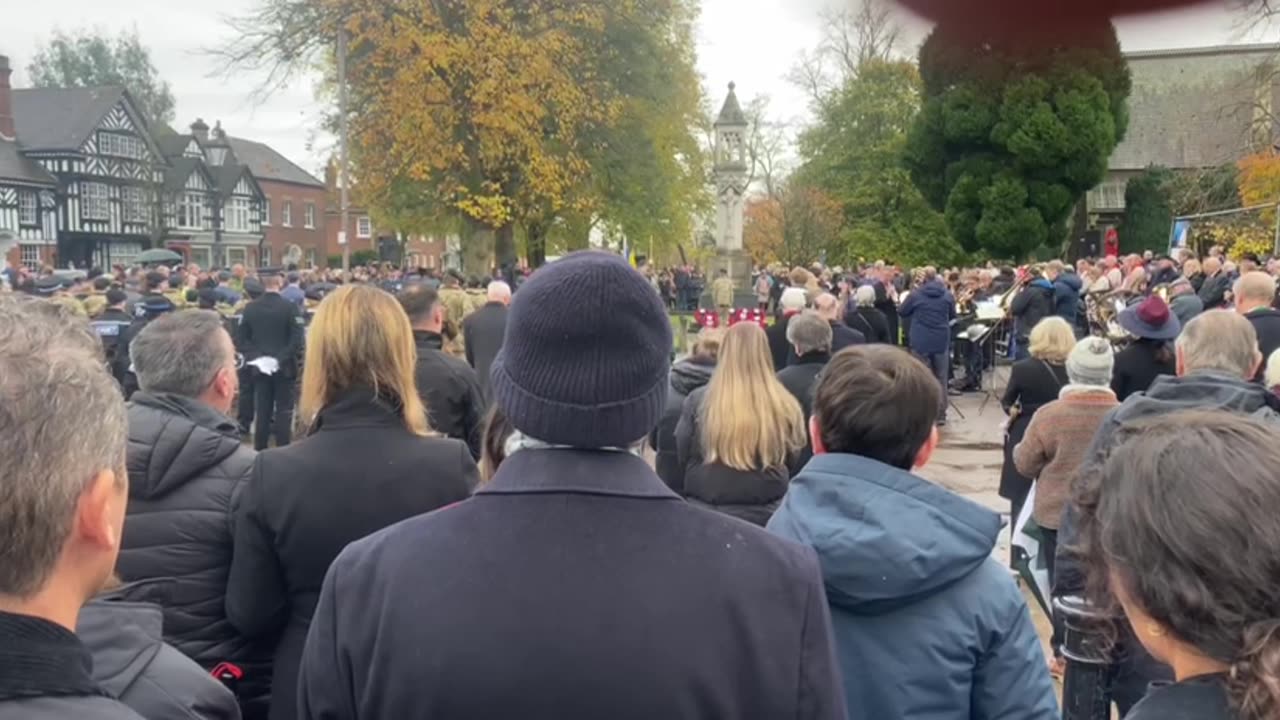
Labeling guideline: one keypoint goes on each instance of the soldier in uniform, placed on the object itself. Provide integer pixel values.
(57, 290)
(272, 327)
(244, 400)
(455, 302)
(95, 303)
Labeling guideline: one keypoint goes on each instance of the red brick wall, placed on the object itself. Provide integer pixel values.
(280, 237)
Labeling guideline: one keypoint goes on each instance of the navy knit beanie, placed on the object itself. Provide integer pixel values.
(585, 359)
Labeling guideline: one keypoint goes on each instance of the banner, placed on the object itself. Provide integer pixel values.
(1181, 235)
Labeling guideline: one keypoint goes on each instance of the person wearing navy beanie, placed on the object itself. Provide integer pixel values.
(574, 584)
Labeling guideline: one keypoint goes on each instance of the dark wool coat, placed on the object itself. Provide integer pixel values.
(1266, 322)
(575, 586)
(1032, 304)
(359, 471)
(870, 322)
(482, 334)
(1138, 366)
(450, 390)
(750, 495)
(1033, 384)
(801, 379)
(930, 309)
(779, 348)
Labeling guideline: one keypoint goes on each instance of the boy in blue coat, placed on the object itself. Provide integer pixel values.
(927, 625)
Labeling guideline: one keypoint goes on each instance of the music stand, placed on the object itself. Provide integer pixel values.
(992, 361)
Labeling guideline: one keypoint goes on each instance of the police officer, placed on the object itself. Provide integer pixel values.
(112, 324)
(244, 399)
(151, 306)
(272, 327)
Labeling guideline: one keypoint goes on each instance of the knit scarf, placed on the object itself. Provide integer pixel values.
(518, 441)
(41, 659)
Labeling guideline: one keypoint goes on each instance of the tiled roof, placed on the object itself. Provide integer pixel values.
(60, 118)
(267, 164)
(17, 167)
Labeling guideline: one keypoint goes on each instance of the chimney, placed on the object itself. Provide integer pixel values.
(7, 128)
(200, 130)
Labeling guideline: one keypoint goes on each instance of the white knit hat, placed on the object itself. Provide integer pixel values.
(1091, 362)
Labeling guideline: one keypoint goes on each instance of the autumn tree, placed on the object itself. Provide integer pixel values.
(797, 226)
(1259, 182)
(1015, 129)
(531, 114)
(89, 59)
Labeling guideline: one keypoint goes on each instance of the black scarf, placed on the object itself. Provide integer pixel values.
(41, 659)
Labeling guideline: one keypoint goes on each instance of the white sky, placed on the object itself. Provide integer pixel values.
(753, 42)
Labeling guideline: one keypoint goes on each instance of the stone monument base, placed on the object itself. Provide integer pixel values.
(738, 263)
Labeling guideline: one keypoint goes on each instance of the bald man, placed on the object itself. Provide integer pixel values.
(842, 336)
(1217, 283)
(484, 329)
(1254, 293)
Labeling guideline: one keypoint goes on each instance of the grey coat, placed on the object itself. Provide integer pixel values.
(132, 662)
(91, 707)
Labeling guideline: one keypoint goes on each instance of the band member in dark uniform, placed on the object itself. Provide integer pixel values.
(272, 327)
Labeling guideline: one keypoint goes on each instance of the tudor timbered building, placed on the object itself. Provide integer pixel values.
(213, 206)
(28, 205)
(96, 144)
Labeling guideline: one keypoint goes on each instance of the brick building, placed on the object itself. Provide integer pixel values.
(362, 235)
(293, 217)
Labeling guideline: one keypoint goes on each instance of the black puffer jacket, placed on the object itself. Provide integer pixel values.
(186, 468)
(686, 376)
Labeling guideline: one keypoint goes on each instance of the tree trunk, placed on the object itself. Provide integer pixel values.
(577, 233)
(536, 239)
(477, 249)
(504, 251)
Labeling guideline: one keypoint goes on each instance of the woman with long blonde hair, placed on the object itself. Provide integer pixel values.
(738, 435)
(369, 460)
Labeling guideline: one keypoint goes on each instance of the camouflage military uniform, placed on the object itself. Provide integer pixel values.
(456, 309)
(70, 303)
(178, 298)
(95, 303)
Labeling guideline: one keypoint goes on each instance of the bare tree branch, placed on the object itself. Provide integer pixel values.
(851, 37)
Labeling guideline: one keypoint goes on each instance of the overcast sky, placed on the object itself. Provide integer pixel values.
(752, 42)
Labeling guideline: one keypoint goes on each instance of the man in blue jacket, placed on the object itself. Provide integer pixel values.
(931, 308)
(1066, 291)
(926, 623)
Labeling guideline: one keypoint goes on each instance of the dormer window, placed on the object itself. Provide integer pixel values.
(120, 145)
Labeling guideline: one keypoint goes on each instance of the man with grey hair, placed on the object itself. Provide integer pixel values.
(1217, 358)
(63, 490)
(1254, 293)
(811, 340)
(484, 330)
(187, 466)
(842, 336)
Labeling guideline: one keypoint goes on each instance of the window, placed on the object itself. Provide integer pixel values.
(202, 256)
(191, 211)
(286, 214)
(94, 201)
(264, 255)
(124, 253)
(364, 228)
(29, 255)
(120, 145)
(235, 255)
(28, 203)
(133, 204)
(309, 215)
(311, 257)
(236, 214)
(1107, 196)
(266, 210)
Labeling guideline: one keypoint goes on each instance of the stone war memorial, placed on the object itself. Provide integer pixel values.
(731, 177)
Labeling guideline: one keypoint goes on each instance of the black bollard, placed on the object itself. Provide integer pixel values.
(1086, 686)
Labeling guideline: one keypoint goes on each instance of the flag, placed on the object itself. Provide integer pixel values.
(628, 252)
(1027, 556)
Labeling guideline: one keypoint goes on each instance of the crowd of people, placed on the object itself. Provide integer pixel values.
(467, 525)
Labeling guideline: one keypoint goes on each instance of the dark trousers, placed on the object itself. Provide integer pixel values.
(244, 403)
(1048, 551)
(273, 401)
(940, 364)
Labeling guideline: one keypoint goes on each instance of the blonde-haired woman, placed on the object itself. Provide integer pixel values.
(1034, 383)
(369, 460)
(738, 436)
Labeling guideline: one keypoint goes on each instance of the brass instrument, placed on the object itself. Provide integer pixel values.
(1006, 300)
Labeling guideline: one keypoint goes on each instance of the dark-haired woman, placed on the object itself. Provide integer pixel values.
(1194, 565)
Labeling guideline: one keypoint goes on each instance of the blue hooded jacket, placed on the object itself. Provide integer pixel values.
(1066, 296)
(927, 625)
(931, 308)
